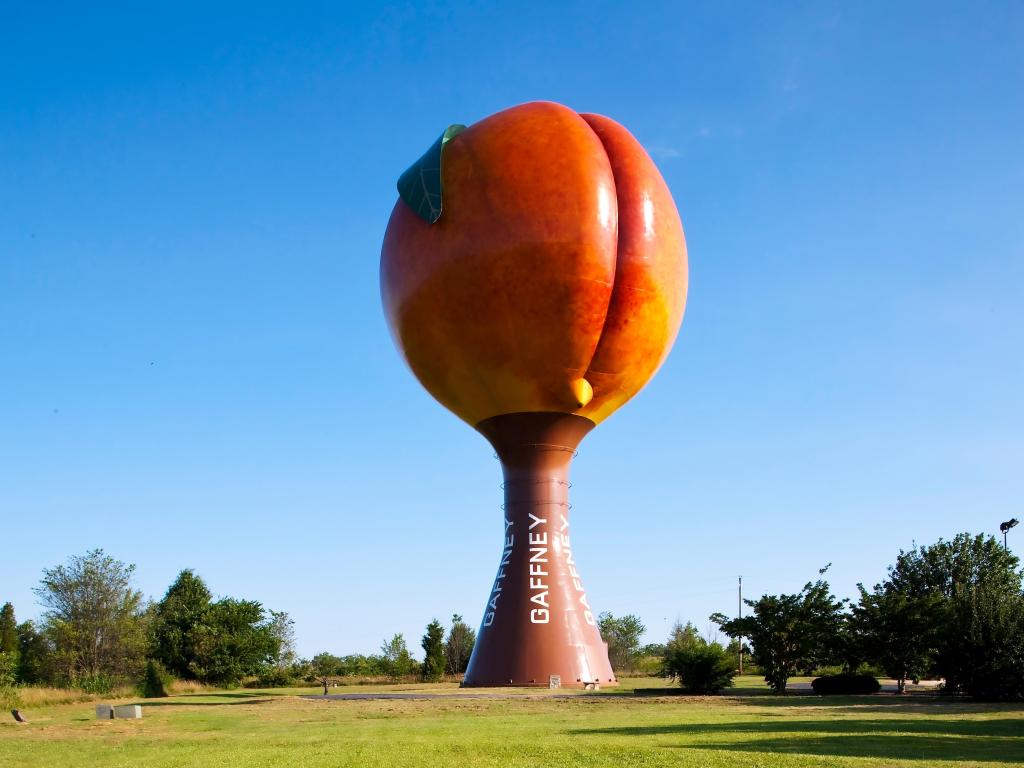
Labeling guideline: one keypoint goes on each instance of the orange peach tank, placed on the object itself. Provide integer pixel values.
(545, 295)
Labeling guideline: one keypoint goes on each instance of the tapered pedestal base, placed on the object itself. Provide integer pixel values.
(538, 627)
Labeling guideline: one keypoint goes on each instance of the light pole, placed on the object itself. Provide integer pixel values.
(740, 601)
(1004, 527)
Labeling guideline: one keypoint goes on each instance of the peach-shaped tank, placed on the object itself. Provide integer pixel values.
(534, 276)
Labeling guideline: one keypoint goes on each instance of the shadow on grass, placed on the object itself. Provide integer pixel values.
(932, 739)
(883, 702)
(1009, 727)
(677, 691)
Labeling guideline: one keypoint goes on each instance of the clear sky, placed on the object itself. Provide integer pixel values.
(195, 371)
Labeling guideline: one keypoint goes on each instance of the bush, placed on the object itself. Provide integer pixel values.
(845, 684)
(101, 684)
(156, 681)
(9, 697)
(273, 677)
(8, 668)
(649, 665)
(700, 667)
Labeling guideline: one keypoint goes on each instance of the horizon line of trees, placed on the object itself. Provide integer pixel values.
(952, 610)
(443, 654)
(97, 632)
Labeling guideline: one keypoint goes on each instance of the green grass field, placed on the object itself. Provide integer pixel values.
(278, 728)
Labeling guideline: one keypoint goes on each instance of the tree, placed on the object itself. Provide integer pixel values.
(154, 682)
(282, 628)
(623, 638)
(733, 649)
(94, 619)
(180, 618)
(34, 654)
(358, 665)
(8, 630)
(653, 649)
(397, 661)
(235, 640)
(9, 696)
(681, 636)
(214, 642)
(459, 646)
(433, 652)
(9, 662)
(947, 566)
(324, 666)
(972, 587)
(896, 631)
(991, 651)
(8, 670)
(788, 632)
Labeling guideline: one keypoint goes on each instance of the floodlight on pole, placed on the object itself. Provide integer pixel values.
(1004, 527)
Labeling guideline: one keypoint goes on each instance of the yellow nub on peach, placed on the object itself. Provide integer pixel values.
(582, 391)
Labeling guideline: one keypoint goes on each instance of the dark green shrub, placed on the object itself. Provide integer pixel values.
(8, 630)
(34, 654)
(433, 652)
(700, 667)
(845, 684)
(156, 681)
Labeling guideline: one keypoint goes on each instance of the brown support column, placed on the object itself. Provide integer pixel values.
(538, 622)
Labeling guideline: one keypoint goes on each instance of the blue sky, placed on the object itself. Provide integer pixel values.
(195, 370)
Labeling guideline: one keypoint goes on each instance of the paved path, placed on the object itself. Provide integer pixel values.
(362, 696)
(925, 686)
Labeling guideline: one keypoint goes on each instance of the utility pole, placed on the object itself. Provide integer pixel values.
(740, 603)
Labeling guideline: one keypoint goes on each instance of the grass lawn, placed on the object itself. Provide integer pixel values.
(277, 728)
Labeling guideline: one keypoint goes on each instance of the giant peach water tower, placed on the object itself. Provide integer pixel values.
(534, 276)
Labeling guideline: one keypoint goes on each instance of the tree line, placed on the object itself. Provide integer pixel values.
(443, 654)
(97, 632)
(953, 610)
